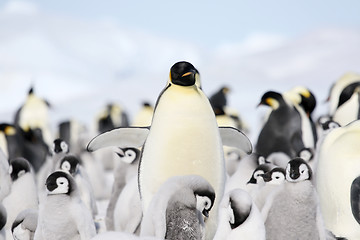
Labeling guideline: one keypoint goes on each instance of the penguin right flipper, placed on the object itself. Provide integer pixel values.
(355, 199)
(233, 137)
(120, 137)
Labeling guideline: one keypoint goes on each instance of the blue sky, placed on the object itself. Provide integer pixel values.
(212, 23)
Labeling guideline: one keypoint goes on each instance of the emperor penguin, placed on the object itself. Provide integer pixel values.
(305, 102)
(127, 212)
(58, 150)
(282, 131)
(184, 138)
(23, 194)
(73, 132)
(348, 108)
(63, 215)
(295, 209)
(126, 169)
(179, 209)
(272, 179)
(144, 116)
(239, 218)
(337, 88)
(243, 172)
(112, 116)
(34, 114)
(339, 153)
(24, 226)
(71, 164)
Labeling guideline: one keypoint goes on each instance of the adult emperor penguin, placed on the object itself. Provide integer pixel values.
(23, 194)
(183, 139)
(34, 114)
(338, 87)
(239, 218)
(282, 131)
(305, 102)
(295, 209)
(179, 209)
(339, 153)
(144, 116)
(63, 215)
(348, 108)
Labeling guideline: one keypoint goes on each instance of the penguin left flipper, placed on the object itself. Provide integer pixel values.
(355, 199)
(120, 137)
(233, 137)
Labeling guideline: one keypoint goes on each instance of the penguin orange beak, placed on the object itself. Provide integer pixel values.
(186, 74)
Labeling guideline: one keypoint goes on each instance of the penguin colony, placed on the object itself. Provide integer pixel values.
(184, 168)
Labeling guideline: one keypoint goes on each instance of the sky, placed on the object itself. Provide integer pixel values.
(212, 23)
(83, 54)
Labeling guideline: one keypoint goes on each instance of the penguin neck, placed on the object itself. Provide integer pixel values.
(301, 189)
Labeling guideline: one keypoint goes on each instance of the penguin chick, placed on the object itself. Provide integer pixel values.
(125, 170)
(23, 194)
(24, 226)
(298, 197)
(71, 165)
(58, 150)
(63, 215)
(239, 218)
(274, 180)
(179, 209)
(244, 172)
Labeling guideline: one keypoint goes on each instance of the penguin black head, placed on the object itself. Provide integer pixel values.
(70, 164)
(308, 101)
(271, 99)
(258, 172)
(129, 155)
(298, 170)
(183, 74)
(205, 198)
(348, 91)
(60, 182)
(59, 146)
(329, 125)
(275, 176)
(18, 167)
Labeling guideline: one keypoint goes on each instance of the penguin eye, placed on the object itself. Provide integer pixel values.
(302, 171)
(277, 177)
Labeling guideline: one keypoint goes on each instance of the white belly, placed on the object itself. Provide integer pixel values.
(183, 139)
(338, 167)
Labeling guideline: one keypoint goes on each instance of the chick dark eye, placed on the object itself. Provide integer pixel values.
(302, 171)
(277, 177)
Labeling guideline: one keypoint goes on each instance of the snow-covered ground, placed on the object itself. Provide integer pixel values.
(79, 66)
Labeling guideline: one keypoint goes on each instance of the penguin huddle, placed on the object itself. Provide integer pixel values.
(185, 168)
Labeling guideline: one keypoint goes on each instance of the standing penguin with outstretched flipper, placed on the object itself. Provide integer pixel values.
(183, 139)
